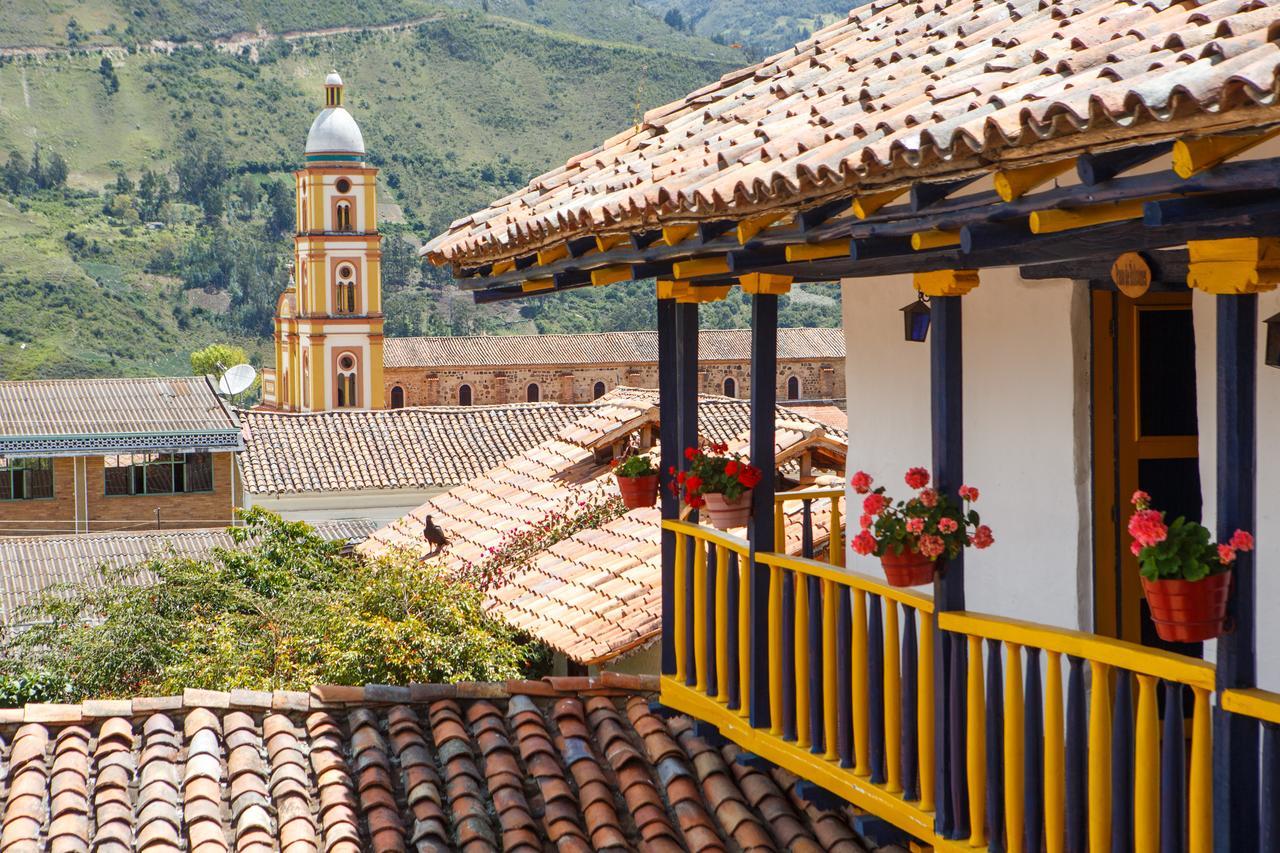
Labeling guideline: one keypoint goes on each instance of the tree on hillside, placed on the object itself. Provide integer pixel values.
(285, 611)
(214, 359)
(674, 19)
(280, 208)
(202, 176)
(110, 81)
(153, 195)
(17, 174)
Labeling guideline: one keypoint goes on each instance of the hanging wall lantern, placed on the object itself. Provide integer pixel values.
(1273, 340)
(915, 319)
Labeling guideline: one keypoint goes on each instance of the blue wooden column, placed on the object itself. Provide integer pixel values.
(764, 392)
(946, 382)
(1235, 739)
(669, 441)
(687, 436)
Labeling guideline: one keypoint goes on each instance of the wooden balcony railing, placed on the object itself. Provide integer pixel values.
(1089, 752)
(1263, 706)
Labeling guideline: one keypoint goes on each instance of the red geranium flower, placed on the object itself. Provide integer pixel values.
(693, 483)
(731, 467)
(1147, 527)
(932, 546)
(1226, 554)
(875, 504)
(864, 543)
(861, 482)
(696, 501)
(929, 498)
(1141, 499)
(690, 452)
(947, 525)
(982, 537)
(969, 493)
(865, 521)
(749, 476)
(917, 478)
(915, 525)
(1242, 541)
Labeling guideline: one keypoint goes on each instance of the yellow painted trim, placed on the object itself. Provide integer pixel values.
(699, 295)
(976, 747)
(744, 636)
(535, 285)
(860, 685)
(934, 239)
(668, 289)
(775, 651)
(722, 624)
(1053, 221)
(1191, 156)
(892, 701)
(611, 275)
(1100, 758)
(500, 267)
(1014, 183)
(865, 205)
(678, 598)
(818, 251)
(1234, 266)
(807, 494)
(779, 528)
(1252, 702)
(710, 534)
(1014, 731)
(924, 711)
(699, 614)
(847, 577)
(830, 701)
(749, 228)
(696, 267)
(552, 254)
(835, 541)
(1146, 781)
(764, 284)
(800, 641)
(673, 235)
(1200, 777)
(605, 242)
(1130, 656)
(946, 282)
(1055, 774)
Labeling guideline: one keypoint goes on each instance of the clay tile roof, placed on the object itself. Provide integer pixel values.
(902, 89)
(50, 416)
(597, 348)
(597, 594)
(416, 448)
(30, 565)
(572, 764)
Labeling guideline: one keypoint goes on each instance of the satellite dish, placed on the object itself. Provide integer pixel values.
(237, 380)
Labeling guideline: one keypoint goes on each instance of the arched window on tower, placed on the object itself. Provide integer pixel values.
(397, 397)
(598, 391)
(345, 288)
(347, 391)
(730, 387)
(793, 388)
(533, 393)
(342, 216)
(464, 395)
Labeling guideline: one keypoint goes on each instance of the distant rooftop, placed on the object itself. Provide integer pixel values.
(597, 348)
(70, 416)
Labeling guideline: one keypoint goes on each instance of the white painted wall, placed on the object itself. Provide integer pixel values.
(382, 506)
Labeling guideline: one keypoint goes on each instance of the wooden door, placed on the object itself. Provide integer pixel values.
(1145, 437)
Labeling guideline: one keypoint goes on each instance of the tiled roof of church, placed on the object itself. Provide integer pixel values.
(571, 764)
(415, 448)
(29, 565)
(598, 348)
(896, 91)
(49, 416)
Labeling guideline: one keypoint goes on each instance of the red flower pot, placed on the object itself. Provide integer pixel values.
(1188, 611)
(638, 492)
(725, 515)
(910, 568)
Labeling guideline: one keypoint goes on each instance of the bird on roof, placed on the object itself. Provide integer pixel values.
(434, 535)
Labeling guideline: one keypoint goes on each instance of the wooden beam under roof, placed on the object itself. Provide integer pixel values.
(1167, 266)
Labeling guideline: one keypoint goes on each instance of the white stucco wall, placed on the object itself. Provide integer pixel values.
(381, 506)
(1026, 431)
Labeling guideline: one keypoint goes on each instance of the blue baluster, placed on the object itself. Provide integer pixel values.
(1173, 774)
(844, 675)
(959, 782)
(1033, 756)
(1077, 759)
(875, 691)
(910, 696)
(1270, 792)
(735, 689)
(944, 822)
(713, 686)
(691, 648)
(1122, 765)
(995, 748)
(788, 652)
(806, 529)
(817, 732)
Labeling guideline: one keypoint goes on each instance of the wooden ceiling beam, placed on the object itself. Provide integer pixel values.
(1094, 169)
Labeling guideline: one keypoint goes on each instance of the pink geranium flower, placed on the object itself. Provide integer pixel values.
(947, 525)
(917, 478)
(932, 546)
(864, 543)
(1226, 554)
(1147, 527)
(969, 493)
(1242, 541)
(861, 482)
(1141, 499)
(865, 521)
(929, 498)
(915, 525)
(982, 537)
(875, 504)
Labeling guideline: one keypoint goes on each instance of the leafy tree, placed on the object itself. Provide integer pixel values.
(53, 176)
(215, 358)
(17, 174)
(153, 195)
(674, 19)
(284, 611)
(107, 72)
(400, 267)
(280, 208)
(124, 185)
(202, 176)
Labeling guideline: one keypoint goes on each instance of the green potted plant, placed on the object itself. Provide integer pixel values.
(721, 482)
(912, 535)
(1185, 577)
(637, 480)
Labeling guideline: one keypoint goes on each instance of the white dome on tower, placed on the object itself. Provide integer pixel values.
(334, 131)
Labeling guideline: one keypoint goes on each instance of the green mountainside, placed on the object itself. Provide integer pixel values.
(167, 228)
(762, 27)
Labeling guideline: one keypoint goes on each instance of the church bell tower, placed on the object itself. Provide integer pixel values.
(328, 324)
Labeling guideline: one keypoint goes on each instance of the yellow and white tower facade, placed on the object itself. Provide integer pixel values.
(328, 325)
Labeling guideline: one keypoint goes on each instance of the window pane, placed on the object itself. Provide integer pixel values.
(116, 475)
(6, 485)
(40, 478)
(159, 478)
(1167, 372)
(199, 472)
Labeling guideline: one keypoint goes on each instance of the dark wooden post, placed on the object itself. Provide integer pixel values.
(1235, 741)
(764, 392)
(669, 439)
(687, 436)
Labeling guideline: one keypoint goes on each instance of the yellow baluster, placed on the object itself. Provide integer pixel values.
(977, 747)
(835, 545)
(1055, 774)
(722, 623)
(924, 710)
(1146, 762)
(700, 614)
(744, 635)
(892, 701)
(861, 687)
(775, 651)
(1014, 783)
(1200, 785)
(1099, 758)
(779, 528)
(801, 640)
(682, 639)
(830, 700)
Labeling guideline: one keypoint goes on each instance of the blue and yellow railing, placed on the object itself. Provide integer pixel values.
(1055, 739)
(1263, 706)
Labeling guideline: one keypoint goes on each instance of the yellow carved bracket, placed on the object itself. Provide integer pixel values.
(946, 282)
(1235, 266)
(763, 284)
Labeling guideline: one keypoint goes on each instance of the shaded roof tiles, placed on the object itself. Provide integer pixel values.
(902, 89)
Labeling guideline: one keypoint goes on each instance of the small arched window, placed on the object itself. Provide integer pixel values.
(342, 216)
(730, 387)
(397, 397)
(464, 395)
(345, 288)
(793, 388)
(347, 388)
(533, 393)
(598, 391)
